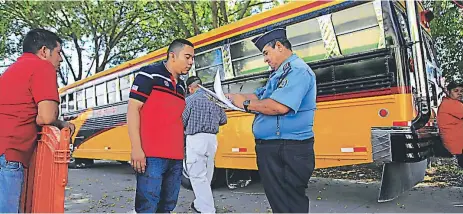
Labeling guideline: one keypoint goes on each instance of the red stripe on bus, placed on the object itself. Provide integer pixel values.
(362, 94)
(262, 21)
(271, 18)
(360, 149)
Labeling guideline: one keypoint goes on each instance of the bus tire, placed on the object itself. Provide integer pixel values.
(79, 163)
(218, 179)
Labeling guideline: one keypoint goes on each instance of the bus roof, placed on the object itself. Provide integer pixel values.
(250, 23)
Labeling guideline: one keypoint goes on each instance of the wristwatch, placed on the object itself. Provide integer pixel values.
(246, 104)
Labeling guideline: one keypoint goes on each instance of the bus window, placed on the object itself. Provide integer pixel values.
(100, 94)
(112, 95)
(207, 64)
(246, 58)
(306, 40)
(63, 104)
(89, 97)
(80, 100)
(71, 102)
(125, 87)
(357, 29)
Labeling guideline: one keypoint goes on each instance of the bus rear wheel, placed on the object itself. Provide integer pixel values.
(218, 179)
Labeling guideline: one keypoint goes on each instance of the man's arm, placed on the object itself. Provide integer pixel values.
(133, 123)
(243, 96)
(223, 117)
(285, 98)
(139, 93)
(48, 115)
(266, 106)
(186, 114)
(45, 93)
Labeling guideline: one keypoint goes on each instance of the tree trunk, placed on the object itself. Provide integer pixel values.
(195, 25)
(244, 9)
(223, 9)
(215, 14)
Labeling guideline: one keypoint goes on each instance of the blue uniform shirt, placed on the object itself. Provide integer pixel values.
(293, 84)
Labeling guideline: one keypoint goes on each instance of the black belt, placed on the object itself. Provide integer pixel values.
(285, 141)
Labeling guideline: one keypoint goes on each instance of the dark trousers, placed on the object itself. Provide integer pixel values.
(285, 167)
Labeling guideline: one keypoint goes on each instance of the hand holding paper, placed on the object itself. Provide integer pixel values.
(219, 95)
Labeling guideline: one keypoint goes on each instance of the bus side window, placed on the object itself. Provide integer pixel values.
(357, 29)
(433, 93)
(89, 97)
(306, 39)
(100, 94)
(71, 101)
(80, 100)
(125, 87)
(207, 64)
(112, 95)
(63, 104)
(246, 58)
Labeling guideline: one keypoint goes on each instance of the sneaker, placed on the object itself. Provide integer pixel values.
(193, 207)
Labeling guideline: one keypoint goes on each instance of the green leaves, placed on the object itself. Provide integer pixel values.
(447, 33)
(101, 34)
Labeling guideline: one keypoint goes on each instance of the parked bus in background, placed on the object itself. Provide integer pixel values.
(378, 82)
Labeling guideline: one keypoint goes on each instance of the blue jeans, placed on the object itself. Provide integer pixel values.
(11, 181)
(158, 187)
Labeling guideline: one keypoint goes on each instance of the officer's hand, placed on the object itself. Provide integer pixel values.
(229, 96)
(138, 160)
(237, 100)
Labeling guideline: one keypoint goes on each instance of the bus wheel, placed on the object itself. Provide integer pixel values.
(238, 178)
(218, 179)
(124, 162)
(79, 163)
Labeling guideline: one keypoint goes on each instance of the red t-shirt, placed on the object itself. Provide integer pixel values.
(161, 125)
(450, 122)
(22, 86)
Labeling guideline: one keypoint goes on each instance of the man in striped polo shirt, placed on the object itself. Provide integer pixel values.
(154, 117)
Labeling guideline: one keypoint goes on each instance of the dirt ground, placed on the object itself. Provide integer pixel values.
(444, 172)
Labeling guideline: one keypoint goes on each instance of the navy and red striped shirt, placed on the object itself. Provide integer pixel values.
(161, 126)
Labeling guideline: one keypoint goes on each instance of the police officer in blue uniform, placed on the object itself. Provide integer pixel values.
(282, 127)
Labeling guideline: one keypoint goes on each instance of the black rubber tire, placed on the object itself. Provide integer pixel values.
(218, 179)
(80, 163)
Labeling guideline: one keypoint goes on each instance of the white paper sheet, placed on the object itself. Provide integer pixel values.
(219, 95)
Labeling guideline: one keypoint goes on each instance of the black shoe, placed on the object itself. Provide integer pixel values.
(193, 207)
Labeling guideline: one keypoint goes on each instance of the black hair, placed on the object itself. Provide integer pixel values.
(453, 85)
(177, 45)
(193, 79)
(37, 38)
(283, 41)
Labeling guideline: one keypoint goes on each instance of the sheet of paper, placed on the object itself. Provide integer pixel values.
(219, 95)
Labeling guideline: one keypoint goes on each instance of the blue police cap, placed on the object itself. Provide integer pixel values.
(261, 41)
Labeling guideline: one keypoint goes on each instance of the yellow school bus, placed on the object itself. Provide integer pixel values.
(377, 78)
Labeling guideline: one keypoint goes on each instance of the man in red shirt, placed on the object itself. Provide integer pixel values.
(28, 99)
(154, 117)
(450, 121)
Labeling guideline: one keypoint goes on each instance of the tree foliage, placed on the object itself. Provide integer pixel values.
(447, 33)
(101, 34)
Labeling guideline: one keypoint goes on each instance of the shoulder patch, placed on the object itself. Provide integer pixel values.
(283, 83)
(286, 67)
